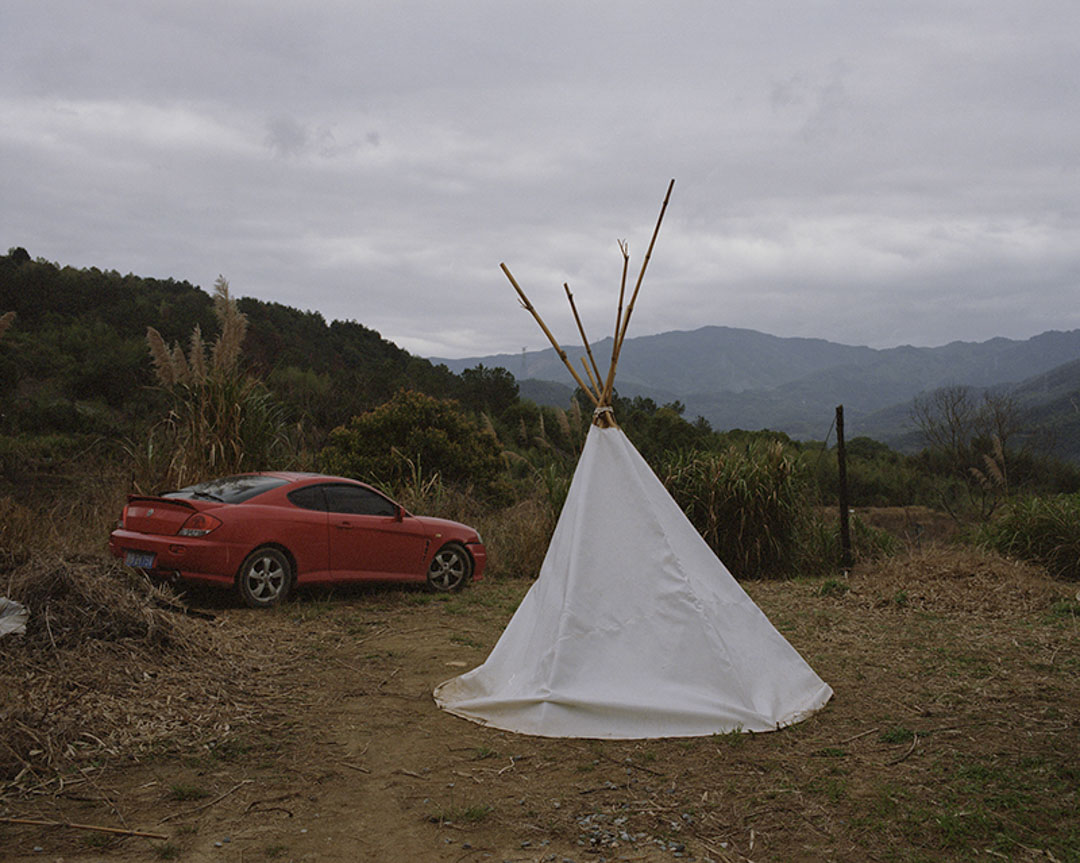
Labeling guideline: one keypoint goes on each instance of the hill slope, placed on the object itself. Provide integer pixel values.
(76, 358)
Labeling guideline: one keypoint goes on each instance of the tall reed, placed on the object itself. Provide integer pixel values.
(221, 419)
(748, 502)
(1042, 530)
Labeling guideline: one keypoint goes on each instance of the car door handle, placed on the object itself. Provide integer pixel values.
(344, 525)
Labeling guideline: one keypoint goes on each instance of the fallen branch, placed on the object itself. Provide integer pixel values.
(514, 759)
(115, 831)
(629, 763)
(611, 786)
(353, 766)
(857, 736)
(914, 743)
(280, 798)
(270, 809)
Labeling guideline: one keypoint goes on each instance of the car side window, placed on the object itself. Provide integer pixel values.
(354, 500)
(309, 497)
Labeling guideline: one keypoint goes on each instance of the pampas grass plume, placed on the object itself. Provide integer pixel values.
(197, 356)
(179, 364)
(226, 352)
(159, 352)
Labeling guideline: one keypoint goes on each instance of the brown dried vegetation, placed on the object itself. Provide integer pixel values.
(953, 728)
(112, 668)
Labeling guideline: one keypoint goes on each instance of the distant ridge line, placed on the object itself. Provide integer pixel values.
(742, 378)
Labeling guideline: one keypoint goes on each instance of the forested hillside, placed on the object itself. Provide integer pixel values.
(76, 359)
(76, 374)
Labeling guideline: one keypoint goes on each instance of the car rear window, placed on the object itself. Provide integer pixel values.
(310, 497)
(229, 489)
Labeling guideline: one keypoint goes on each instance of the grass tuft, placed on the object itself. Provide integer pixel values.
(461, 814)
(1042, 530)
(181, 792)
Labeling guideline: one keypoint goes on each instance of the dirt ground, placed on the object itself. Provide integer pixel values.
(953, 735)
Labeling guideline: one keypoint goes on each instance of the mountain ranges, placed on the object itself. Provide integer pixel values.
(739, 378)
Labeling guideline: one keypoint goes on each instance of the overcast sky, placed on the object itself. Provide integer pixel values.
(877, 173)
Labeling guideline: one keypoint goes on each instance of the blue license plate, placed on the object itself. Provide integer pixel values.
(140, 559)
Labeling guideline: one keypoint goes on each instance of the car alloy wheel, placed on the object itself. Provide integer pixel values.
(265, 578)
(450, 568)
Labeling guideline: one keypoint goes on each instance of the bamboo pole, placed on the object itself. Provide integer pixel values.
(593, 382)
(609, 381)
(605, 396)
(600, 395)
(584, 339)
(551, 338)
(115, 831)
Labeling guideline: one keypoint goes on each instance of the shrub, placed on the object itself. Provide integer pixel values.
(414, 435)
(1042, 530)
(820, 544)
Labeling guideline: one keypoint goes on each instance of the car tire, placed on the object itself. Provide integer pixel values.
(265, 578)
(450, 570)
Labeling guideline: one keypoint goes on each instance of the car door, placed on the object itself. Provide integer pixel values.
(370, 537)
(305, 531)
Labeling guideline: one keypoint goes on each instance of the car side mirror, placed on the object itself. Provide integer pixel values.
(399, 512)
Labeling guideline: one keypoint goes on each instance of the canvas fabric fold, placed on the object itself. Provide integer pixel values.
(634, 628)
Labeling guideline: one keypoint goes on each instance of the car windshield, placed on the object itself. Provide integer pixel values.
(229, 489)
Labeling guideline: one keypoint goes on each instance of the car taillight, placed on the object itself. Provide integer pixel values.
(199, 524)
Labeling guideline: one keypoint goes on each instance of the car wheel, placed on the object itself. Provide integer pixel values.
(265, 578)
(450, 569)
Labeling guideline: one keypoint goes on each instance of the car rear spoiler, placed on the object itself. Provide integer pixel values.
(149, 498)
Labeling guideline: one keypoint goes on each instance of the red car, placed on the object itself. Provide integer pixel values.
(262, 533)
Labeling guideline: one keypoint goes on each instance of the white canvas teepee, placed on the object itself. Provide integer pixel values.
(634, 628)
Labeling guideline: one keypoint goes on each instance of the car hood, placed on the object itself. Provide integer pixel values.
(445, 526)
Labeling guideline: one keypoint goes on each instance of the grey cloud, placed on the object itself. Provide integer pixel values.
(876, 173)
(286, 137)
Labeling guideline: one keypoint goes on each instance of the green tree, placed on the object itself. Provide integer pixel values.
(491, 391)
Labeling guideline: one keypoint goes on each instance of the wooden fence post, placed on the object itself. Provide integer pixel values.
(841, 463)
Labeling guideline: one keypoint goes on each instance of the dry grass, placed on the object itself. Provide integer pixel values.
(916, 526)
(517, 538)
(952, 735)
(18, 528)
(956, 580)
(65, 504)
(111, 669)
